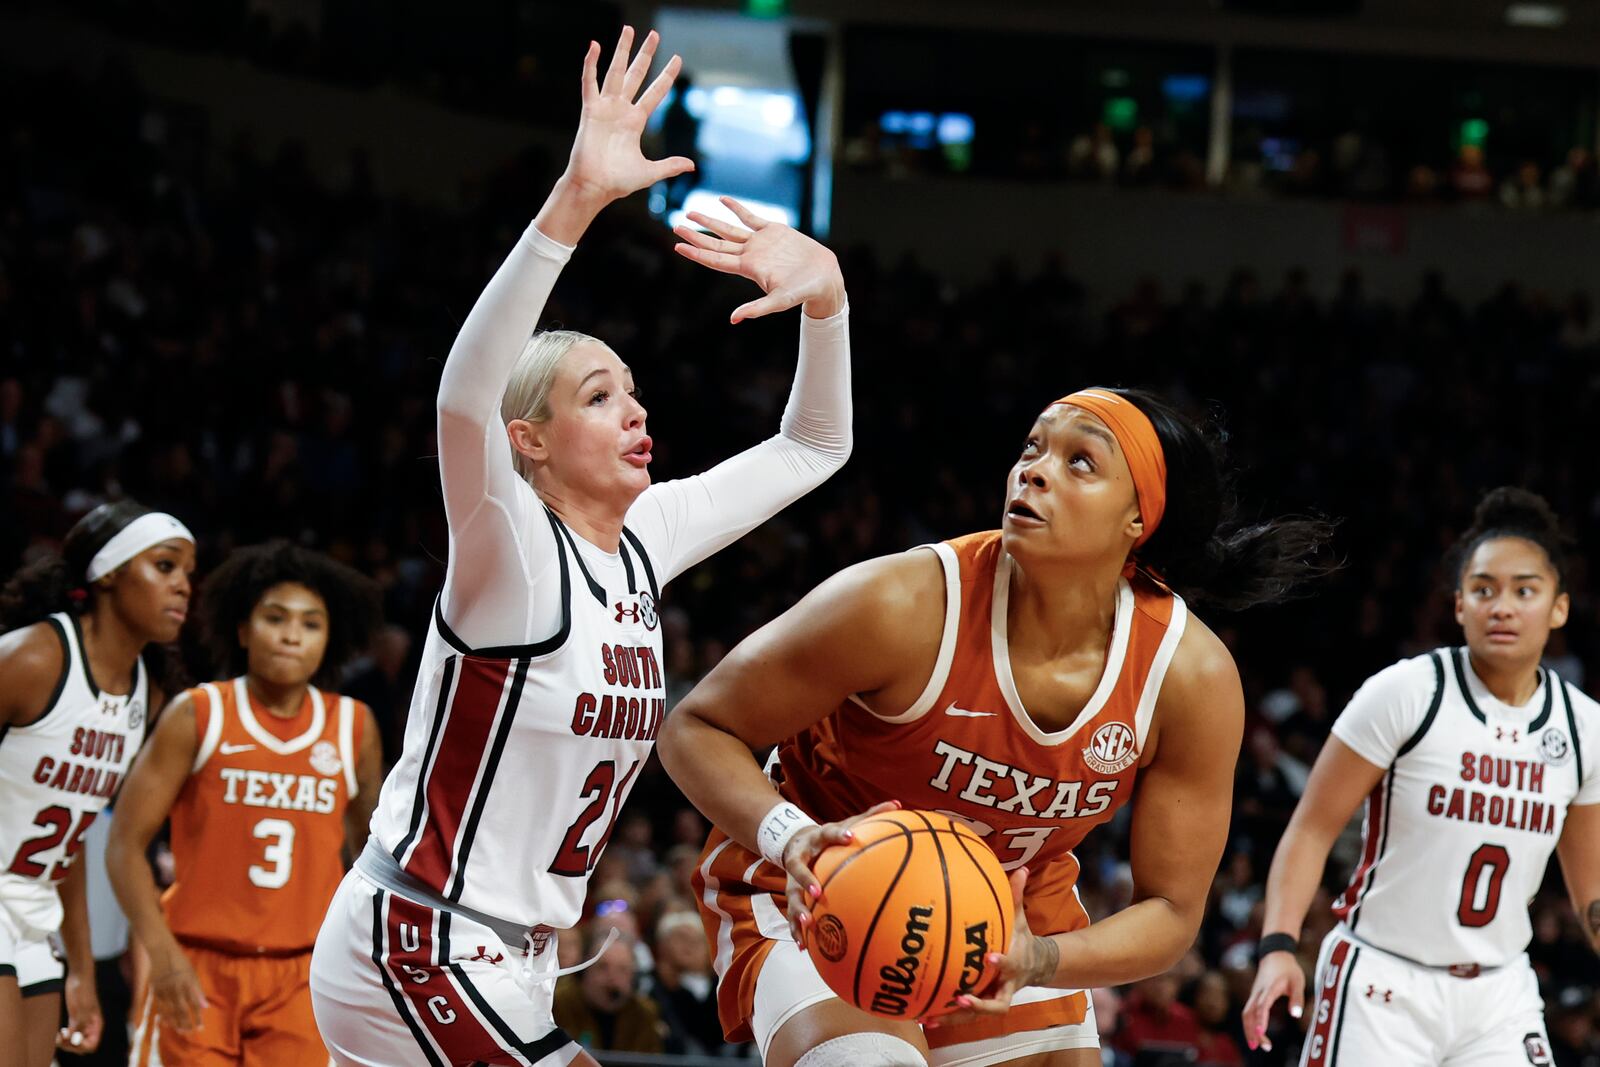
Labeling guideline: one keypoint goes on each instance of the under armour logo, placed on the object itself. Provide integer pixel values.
(1500, 735)
(1373, 993)
(632, 613)
(483, 955)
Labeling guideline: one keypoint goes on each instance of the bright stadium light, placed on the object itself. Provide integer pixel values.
(1536, 15)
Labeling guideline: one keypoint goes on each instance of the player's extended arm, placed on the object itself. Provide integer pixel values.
(84, 1022)
(850, 635)
(1338, 783)
(147, 795)
(485, 595)
(685, 520)
(1579, 850)
(369, 780)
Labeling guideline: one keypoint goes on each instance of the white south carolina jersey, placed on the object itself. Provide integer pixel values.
(57, 773)
(517, 760)
(1458, 832)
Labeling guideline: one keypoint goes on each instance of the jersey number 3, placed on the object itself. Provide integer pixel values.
(280, 854)
(575, 859)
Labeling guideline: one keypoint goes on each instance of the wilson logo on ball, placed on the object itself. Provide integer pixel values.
(896, 980)
(830, 938)
(1111, 749)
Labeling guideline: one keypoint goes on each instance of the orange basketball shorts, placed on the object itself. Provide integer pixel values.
(258, 1014)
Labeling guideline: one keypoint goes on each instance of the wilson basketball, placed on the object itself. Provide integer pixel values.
(909, 911)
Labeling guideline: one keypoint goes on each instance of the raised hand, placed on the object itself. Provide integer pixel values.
(790, 267)
(607, 162)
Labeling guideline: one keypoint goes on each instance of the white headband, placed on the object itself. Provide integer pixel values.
(146, 531)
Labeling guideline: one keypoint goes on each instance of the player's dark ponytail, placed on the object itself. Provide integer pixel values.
(1511, 512)
(55, 582)
(1200, 549)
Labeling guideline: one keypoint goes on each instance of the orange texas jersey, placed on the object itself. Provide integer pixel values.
(969, 748)
(258, 828)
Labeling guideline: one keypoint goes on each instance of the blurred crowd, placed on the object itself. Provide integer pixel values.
(205, 328)
(1352, 165)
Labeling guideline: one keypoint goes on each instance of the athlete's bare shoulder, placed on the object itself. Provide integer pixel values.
(877, 623)
(1202, 688)
(31, 661)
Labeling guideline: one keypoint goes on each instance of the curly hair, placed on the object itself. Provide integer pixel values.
(1510, 511)
(232, 591)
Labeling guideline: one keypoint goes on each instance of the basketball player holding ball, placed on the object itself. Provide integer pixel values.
(1018, 680)
(540, 690)
(1475, 764)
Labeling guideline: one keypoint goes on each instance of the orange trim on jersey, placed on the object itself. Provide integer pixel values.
(1137, 435)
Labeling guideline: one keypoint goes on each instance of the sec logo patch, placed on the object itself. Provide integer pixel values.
(1111, 749)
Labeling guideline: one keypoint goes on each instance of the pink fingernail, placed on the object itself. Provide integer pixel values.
(815, 891)
(993, 957)
(849, 835)
(931, 1024)
(964, 1001)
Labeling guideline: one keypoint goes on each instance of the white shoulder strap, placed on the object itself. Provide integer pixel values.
(347, 746)
(947, 641)
(213, 734)
(1158, 672)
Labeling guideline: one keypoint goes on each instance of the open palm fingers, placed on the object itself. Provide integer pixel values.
(616, 70)
(722, 228)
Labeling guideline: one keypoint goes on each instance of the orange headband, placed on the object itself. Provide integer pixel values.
(1137, 436)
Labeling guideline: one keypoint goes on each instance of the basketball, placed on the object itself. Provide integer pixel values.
(909, 912)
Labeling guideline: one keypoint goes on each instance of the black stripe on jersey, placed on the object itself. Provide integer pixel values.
(1549, 702)
(1433, 708)
(644, 561)
(533, 1050)
(1456, 656)
(1572, 728)
(7, 970)
(1459, 657)
(400, 1005)
(469, 829)
(595, 588)
(627, 565)
(83, 657)
(538, 648)
(427, 761)
(1344, 1002)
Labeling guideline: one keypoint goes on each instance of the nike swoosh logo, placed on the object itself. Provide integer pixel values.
(965, 714)
(229, 750)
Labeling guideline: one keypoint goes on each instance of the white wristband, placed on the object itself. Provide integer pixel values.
(781, 823)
